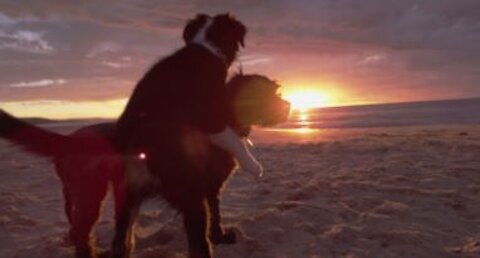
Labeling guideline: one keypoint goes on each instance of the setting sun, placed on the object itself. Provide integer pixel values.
(303, 100)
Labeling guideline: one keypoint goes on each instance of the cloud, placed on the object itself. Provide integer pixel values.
(108, 53)
(103, 48)
(407, 24)
(148, 15)
(40, 83)
(372, 59)
(250, 60)
(115, 65)
(6, 20)
(369, 44)
(24, 40)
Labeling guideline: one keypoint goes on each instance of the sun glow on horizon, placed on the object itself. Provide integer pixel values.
(66, 109)
(303, 100)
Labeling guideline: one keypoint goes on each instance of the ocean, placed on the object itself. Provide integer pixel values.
(445, 112)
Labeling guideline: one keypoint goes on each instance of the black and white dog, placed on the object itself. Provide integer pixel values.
(178, 98)
(160, 145)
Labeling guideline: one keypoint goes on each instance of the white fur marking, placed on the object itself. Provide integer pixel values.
(201, 39)
(202, 33)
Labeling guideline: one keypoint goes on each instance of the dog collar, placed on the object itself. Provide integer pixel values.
(201, 40)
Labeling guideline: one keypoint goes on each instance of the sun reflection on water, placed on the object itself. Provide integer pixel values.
(299, 129)
(303, 118)
(303, 130)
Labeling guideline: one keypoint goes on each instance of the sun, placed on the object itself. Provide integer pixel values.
(303, 100)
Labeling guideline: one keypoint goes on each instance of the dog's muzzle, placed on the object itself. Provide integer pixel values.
(277, 113)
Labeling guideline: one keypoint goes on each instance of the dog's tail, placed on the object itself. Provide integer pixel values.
(31, 137)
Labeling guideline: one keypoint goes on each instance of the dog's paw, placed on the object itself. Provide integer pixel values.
(86, 252)
(227, 237)
(104, 254)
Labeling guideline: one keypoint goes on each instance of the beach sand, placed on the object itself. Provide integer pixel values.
(386, 192)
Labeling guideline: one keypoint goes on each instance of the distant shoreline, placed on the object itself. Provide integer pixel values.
(423, 113)
(391, 104)
(40, 120)
(37, 120)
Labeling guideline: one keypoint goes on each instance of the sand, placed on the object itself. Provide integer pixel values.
(386, 192)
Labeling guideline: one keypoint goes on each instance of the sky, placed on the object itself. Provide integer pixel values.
(79, 58)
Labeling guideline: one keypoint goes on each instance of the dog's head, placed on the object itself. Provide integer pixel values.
(223, 31)
(256, 101)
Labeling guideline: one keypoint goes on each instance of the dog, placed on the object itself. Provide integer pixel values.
(179, 100)
(88, 160)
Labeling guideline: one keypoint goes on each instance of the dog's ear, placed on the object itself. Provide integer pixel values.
(193, 26)
(225, 25)
(240, 29)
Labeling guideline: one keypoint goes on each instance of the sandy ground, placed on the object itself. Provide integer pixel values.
(392, 192)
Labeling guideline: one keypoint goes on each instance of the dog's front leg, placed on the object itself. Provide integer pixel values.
(218, 235)
(195, 219)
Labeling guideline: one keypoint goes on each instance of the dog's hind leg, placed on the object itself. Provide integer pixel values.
(195, 219)
(68, 208)
(67, 197)
(84, 212)
(126, 210)
(218, 234)
(124, 239)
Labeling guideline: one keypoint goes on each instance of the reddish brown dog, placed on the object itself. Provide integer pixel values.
(190, 179)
